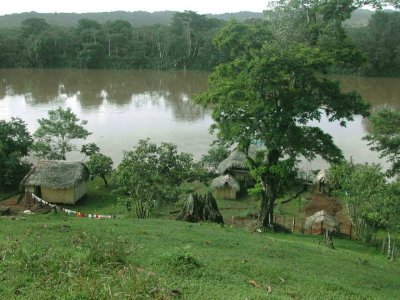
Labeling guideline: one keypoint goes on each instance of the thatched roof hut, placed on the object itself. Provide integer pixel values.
(57, 181)
(225, 187)
(235, 160)
(236, 165)
(319, 217)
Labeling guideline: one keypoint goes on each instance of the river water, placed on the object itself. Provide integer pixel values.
(124, 106)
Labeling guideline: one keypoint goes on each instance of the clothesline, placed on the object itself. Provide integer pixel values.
(73, 212)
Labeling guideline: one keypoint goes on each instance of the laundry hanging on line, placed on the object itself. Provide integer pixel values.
(73, 212)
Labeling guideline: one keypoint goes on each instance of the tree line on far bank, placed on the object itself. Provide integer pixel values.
(187, 43)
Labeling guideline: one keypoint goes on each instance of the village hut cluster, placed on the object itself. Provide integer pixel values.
(233, 176)
(56, 181)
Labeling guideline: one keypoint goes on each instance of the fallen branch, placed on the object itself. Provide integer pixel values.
(304, 189)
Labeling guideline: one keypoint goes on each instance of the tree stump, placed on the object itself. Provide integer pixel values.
(200, 208)
(5, 211)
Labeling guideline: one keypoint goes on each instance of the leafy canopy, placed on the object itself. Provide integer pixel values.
(268, 92)
(15, 142)
(384, 137)
(372, 201)
(100, 165)
(90, 149)
(54, 138)
(215, 155)
(150, 174)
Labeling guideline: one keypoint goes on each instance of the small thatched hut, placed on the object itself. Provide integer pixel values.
(236, 165)
(225, 187)
(321, 217)
(236, 161)
(56, 181)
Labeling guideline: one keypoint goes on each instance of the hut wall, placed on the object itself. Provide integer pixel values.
(224, 193)
(66, 196)
(29, 190)
(80, 190)
(243, 177)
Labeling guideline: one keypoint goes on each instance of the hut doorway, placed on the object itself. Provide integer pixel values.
(37, 191)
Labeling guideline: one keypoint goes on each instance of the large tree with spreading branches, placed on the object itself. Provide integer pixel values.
(272, 87)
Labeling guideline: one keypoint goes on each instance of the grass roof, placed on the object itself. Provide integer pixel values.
(237, 160)
(56, 174)
(224, 180)
(320, 216)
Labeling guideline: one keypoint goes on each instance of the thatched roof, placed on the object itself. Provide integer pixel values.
(321, 216)
(225, 180)
(56, 174)
(237, 160)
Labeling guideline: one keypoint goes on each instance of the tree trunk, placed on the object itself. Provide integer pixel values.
(267, 207)
(109, 47)
(200, 208)
(328, 237)
(269, 192)
(105, 180)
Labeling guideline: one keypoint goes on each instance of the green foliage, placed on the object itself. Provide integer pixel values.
(168, 40)
(33, 26)
(186, 43)
(90, 149)
(268, 94)
(151, 174)
(182, 262)
(371, 200)
(380, 42)
(384, 137)
(215, 155)
(15, 142)
(100, 165)
(55, 135)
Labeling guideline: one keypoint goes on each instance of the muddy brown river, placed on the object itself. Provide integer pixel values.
(124, 106)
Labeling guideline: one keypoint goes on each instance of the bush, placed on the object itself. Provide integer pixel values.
(182, 263)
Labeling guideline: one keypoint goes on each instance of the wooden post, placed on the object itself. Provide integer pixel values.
(351, 229)
(322, 227)
(293, 224)
(383, 245)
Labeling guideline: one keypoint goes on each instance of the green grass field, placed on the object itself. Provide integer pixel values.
(56, 256)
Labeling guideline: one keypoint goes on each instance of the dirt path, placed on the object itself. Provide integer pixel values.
(332, 206)
(16, 207)
(318, 202)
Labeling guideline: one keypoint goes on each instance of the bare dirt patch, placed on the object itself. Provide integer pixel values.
(318, 202)
(16, 208)
(332, 206)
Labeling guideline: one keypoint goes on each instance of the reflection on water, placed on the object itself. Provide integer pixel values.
(92, 87)
(375, 90)
(121, 106)
(125, 106)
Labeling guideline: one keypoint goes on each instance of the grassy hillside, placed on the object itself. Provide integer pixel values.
(56, 256)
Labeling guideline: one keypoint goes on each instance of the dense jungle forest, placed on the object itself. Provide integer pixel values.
(167, 40)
